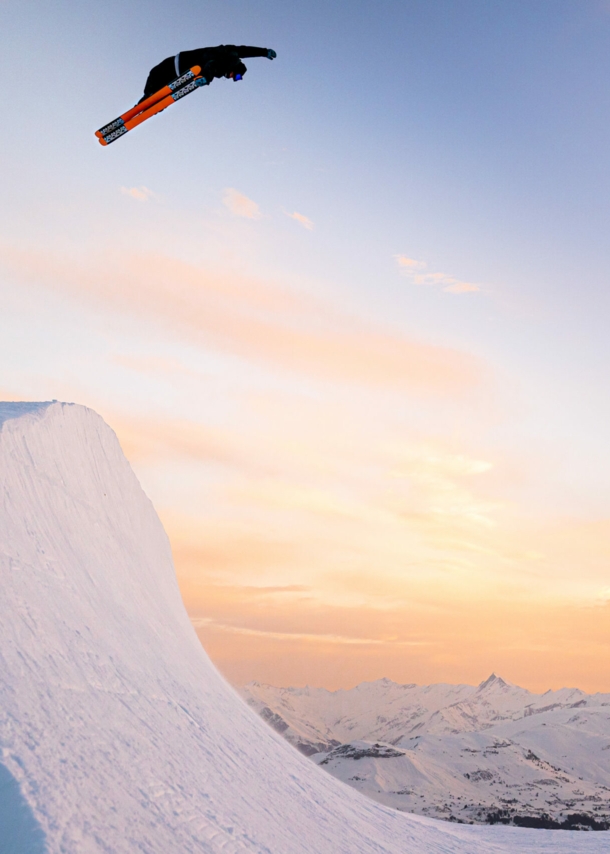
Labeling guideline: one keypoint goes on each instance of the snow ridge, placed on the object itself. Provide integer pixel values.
(116, 732)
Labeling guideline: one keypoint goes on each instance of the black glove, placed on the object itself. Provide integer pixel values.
(271, 54)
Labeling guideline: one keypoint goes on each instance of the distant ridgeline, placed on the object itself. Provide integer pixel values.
(491, 754)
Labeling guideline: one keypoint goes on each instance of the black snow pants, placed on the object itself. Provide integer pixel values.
(160, 76)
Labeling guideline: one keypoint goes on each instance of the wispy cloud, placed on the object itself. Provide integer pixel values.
(303, 220)
(300, 641)
(240, 205)
(142, 194)
(603, 596)
(416, 271)
(331, 529)
(162, 438)
(436, 487)
(253, 318)
(200, 622)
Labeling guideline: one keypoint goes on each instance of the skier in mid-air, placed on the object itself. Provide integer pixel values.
(179, 75)
(222, 61)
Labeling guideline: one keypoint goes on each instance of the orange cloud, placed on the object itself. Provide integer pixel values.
(303, 220)
(300, 641)
(240, 205)
(157, 438)
(254, 319)
(405, 581)
(141, 194)
(412, 269)
(224, 550)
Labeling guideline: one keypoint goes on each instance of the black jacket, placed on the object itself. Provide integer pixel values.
(214, 62)
(203, 55)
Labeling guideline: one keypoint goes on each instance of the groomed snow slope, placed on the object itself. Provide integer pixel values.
(117, 733)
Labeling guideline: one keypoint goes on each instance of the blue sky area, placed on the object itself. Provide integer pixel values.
(429, 178)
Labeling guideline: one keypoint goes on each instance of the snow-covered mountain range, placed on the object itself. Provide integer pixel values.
(117, 734)
(490, 753)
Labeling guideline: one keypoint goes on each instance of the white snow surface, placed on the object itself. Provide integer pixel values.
(117, 734)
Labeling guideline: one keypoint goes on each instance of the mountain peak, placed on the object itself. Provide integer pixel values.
(492, 681)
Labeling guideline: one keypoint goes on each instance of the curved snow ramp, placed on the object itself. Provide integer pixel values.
(117, 733)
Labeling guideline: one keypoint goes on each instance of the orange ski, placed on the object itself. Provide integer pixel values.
(175, 90)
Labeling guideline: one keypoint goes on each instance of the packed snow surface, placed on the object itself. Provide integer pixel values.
(117, 733)
(473, 753)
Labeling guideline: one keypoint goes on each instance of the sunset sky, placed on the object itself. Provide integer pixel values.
(349, 318)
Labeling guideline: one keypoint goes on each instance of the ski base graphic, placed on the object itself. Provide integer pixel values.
(165, 97)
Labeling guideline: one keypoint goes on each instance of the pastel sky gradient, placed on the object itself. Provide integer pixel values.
(349, 319)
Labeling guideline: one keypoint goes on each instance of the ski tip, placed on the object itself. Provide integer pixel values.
(115, 134)
(117, 124)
